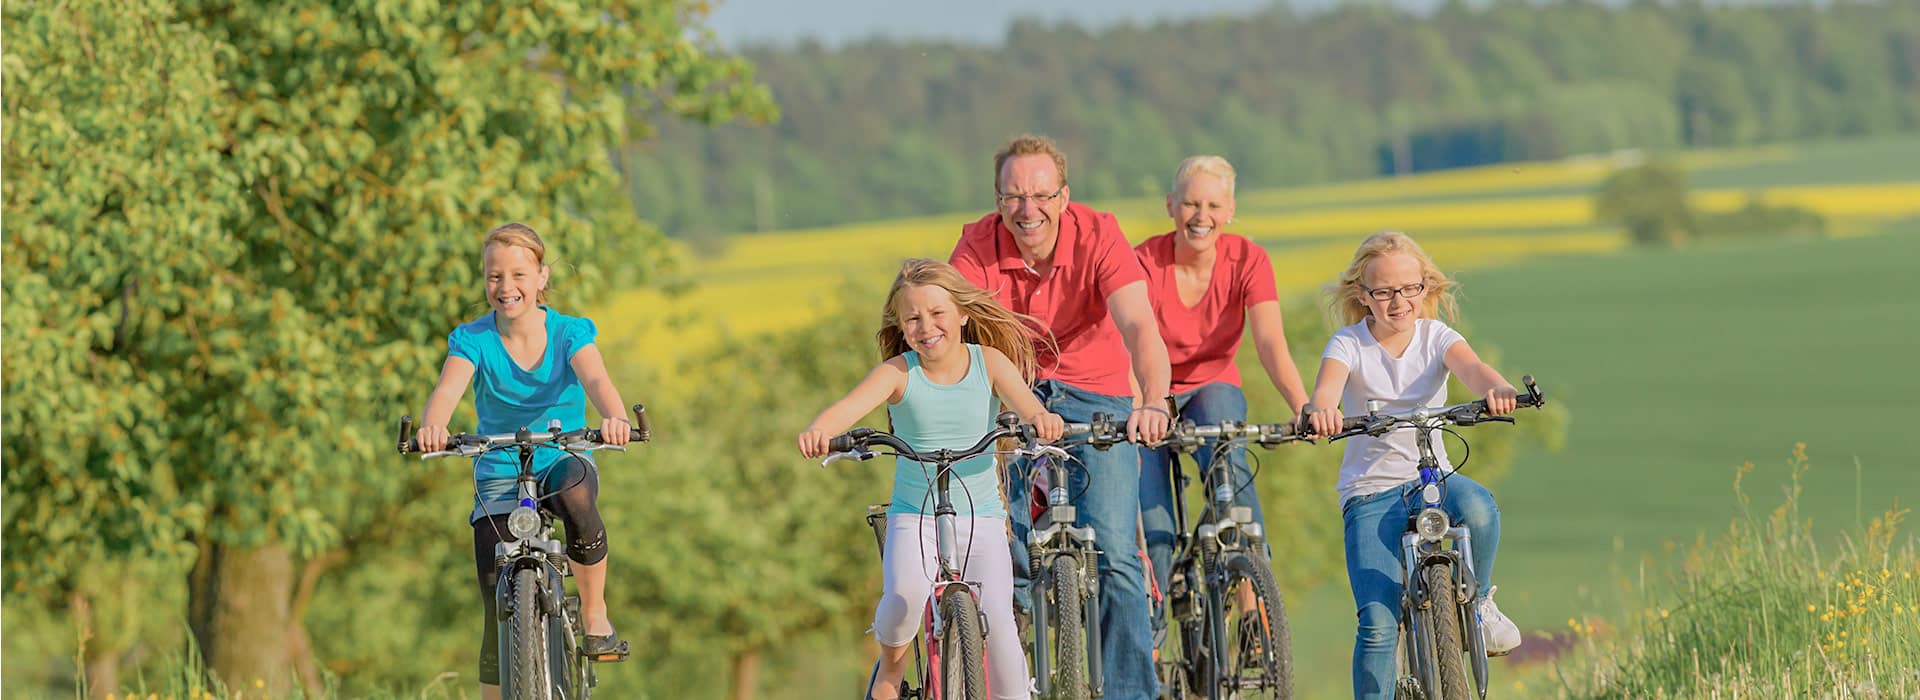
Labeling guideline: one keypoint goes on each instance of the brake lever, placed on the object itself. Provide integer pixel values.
(859, 455)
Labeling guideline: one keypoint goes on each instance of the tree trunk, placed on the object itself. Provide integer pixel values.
(746, 674)
(300, 644)
(239, 615)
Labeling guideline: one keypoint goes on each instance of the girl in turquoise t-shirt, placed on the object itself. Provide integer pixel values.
(529, 364)
(950, 349)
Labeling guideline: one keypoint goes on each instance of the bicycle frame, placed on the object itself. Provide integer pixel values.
(1431, 538)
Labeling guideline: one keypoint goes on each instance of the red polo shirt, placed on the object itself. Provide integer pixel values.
(1202, 339)
(1090, 261)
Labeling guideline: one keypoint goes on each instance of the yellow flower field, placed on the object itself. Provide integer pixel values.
(772, 281)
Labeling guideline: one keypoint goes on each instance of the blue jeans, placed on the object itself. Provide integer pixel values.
(1210, 403)
(1110, 504)
(1374, 525)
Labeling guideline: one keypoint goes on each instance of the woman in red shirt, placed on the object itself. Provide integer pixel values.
(1206, 285)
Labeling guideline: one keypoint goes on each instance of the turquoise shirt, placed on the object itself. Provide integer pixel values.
(932, 416)
(509, 398)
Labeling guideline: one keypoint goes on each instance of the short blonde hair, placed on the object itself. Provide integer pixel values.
(1029, 145)
(1211, 165)
(1343, 297)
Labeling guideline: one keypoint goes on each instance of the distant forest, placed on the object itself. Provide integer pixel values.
(885, 129)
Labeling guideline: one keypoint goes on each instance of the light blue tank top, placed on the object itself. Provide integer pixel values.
(932, 416)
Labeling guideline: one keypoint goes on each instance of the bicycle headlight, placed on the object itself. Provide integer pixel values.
(1431, 525)
(523, 522)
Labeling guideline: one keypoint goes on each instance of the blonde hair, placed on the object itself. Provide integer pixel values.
(514, 233)
(1029, 145)
(1195, 165)
(1343, 297)
(991, 325)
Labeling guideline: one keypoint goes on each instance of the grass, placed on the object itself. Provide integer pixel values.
(1767, 609)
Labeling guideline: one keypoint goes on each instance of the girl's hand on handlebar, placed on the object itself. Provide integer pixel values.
(813, 443)
(1501, 399)
(432, 438)
(1325, 421)
(615, 431)
(1050, 426)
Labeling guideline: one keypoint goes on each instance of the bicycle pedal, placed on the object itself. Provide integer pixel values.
(615, 656)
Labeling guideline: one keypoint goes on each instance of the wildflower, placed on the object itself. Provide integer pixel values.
(1663, 613)
(257, 683)
(1809, 607)
(1897, 609)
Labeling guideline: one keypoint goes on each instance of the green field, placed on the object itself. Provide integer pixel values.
(1679, 366)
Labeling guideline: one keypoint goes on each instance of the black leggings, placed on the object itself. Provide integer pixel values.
(571, 488)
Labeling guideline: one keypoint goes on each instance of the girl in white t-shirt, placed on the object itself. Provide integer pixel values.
(1396, 350)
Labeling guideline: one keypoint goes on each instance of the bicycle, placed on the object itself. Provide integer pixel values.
(1439, 612)
(1224, 550)
(540, 630)
(1065, 560)
(954, 665)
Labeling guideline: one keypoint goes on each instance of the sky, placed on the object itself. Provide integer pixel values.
(835, 22)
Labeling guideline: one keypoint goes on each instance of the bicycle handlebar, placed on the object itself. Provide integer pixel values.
(1468, 413)
(854, 444)
(472, 445)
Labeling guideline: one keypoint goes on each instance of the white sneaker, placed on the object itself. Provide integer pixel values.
(1502, 636)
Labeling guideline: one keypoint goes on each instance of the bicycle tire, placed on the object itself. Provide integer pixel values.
(1263, 663)
(526, 643)
(963, 658)
(1067, 591)
(1441, 615)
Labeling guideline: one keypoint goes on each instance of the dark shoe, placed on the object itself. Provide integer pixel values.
(608, 647)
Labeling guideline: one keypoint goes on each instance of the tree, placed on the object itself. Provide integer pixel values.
(277, 232)
(1651, 201)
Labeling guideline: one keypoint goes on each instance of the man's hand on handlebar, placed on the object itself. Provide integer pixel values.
(1147, 425)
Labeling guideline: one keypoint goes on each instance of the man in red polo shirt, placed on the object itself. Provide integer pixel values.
(1070, 268)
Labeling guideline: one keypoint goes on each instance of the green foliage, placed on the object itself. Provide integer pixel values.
(1650, 200)
(1345, 93)
(232, 230)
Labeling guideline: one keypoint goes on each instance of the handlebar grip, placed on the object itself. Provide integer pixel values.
(841, 443)
(406, 443)
(642, 428)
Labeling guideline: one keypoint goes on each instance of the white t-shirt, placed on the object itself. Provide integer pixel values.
(1417, 378)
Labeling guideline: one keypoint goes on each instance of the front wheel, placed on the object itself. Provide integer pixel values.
(1066, 592)
(1258, 651)
(1439, 613)
(963, 658)
(525, 645)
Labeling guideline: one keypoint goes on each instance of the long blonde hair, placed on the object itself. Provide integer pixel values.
(991, 324)
(1343, 296)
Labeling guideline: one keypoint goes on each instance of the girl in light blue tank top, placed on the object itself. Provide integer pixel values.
(950, 350)
(953, 416)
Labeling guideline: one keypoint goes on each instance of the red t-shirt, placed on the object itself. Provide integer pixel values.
(1090, 261)
(1202, 339)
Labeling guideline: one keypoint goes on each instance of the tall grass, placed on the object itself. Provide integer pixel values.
(1766, 610)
